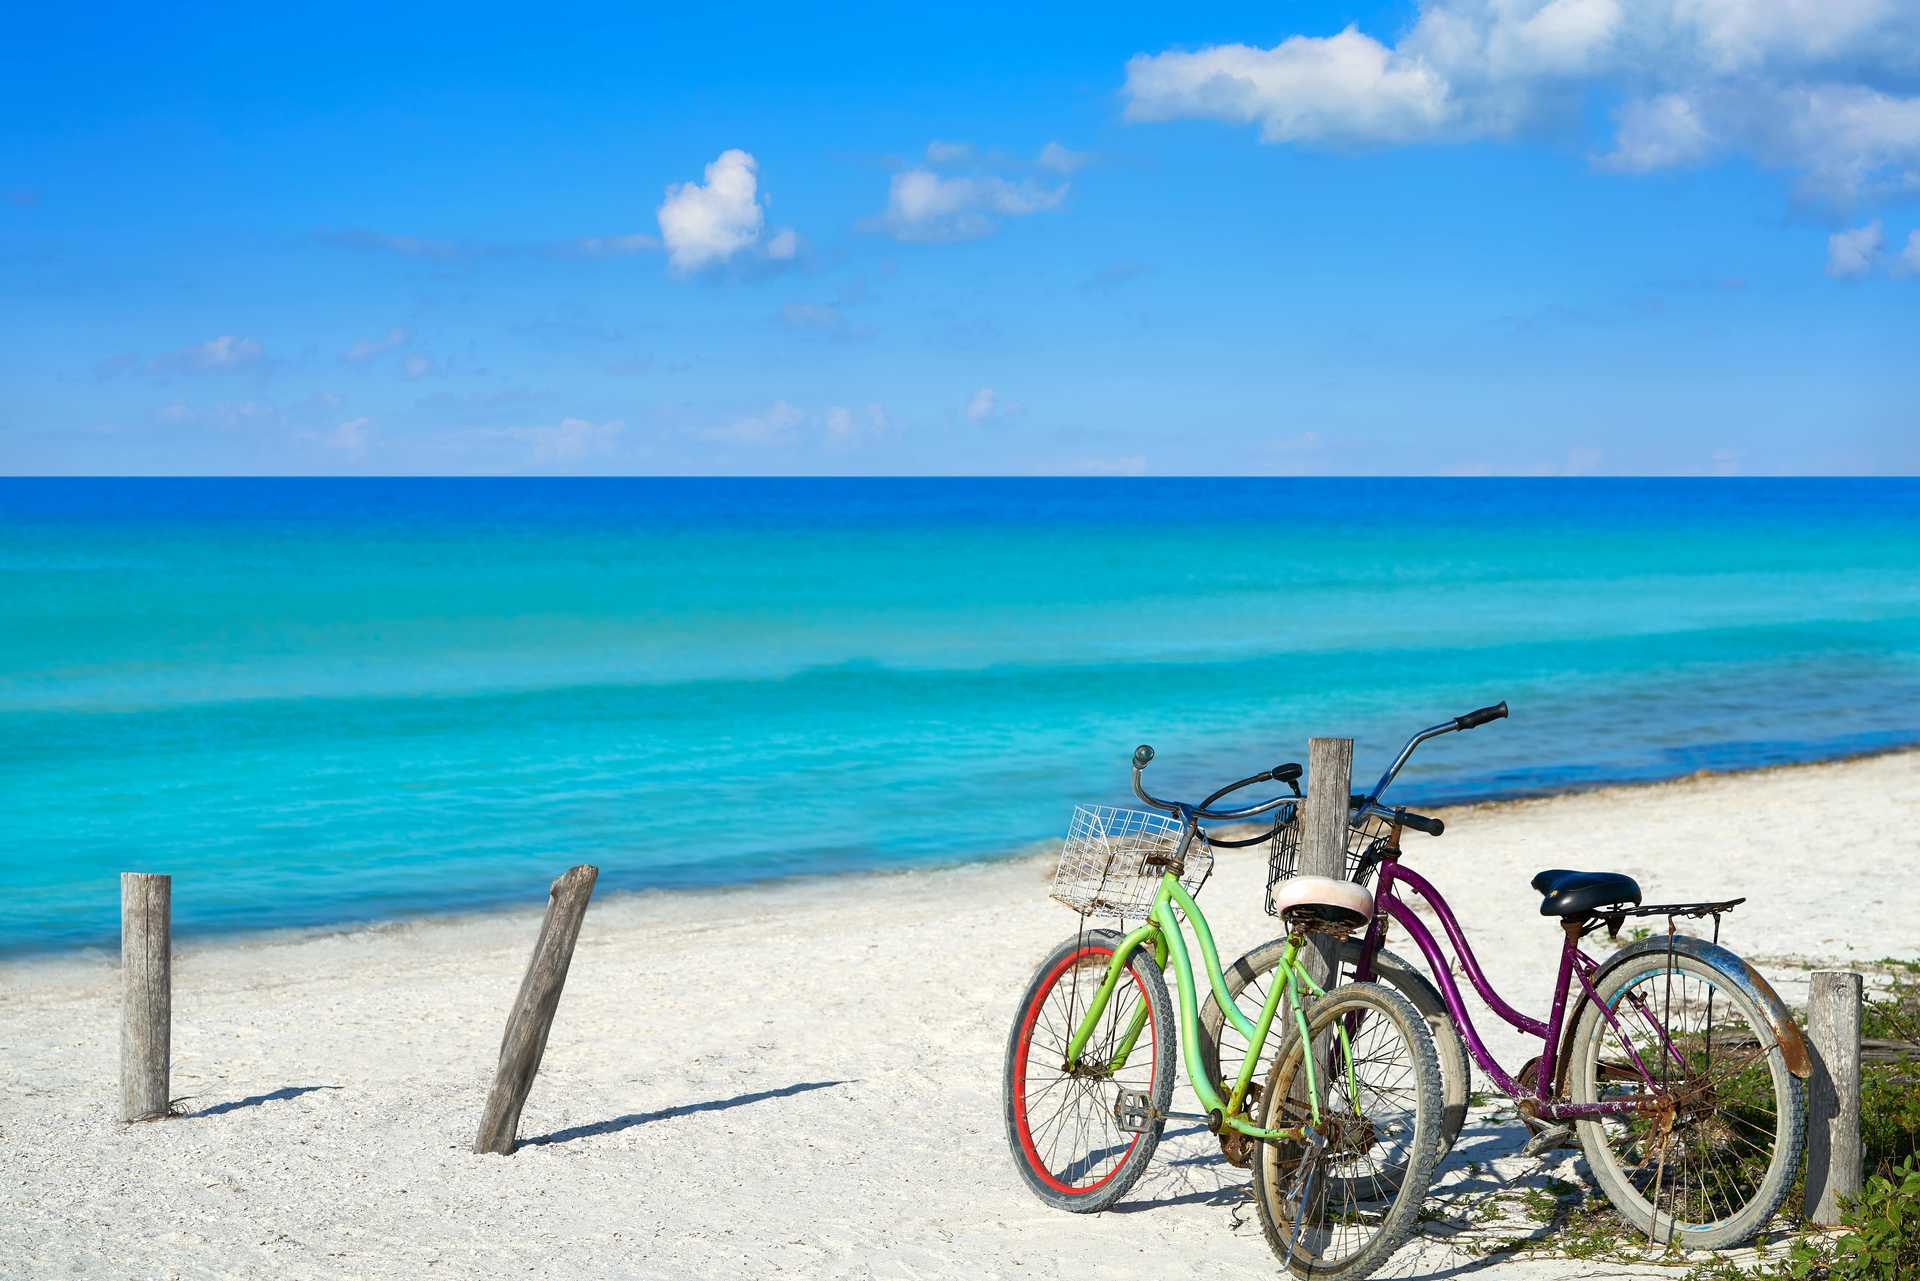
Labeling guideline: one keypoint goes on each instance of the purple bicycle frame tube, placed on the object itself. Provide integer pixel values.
(1387, 904)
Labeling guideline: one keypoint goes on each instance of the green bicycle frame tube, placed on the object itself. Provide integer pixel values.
(1258, 1038)
(1170, 947)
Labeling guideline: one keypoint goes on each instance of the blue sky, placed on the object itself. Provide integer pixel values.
(1466, 236)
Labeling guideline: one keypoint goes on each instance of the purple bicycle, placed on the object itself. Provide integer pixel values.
(1672, 1060)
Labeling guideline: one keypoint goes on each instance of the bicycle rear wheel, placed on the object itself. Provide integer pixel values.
(1712, 1160)
(1338, 1209)
(1063, 1126)
(1223, 1049)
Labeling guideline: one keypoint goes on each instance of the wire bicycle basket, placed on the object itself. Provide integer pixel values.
(1283, 858)
(1112, 860)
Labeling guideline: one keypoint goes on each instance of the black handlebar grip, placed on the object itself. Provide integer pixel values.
(1286, 773)
(1481, 717)
(1141, 755)
(1421, 823)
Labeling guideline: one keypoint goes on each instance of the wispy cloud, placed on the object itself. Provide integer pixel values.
(638, 242)
(350, 438)
(985, 405)
(569, 441)
(367, 349)
(926, 206)
(226, 354)
(1062, 160)
(365, 240)
(1852, 253)
(783, 425)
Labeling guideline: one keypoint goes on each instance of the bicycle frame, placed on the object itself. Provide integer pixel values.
(1162, 933)
(1574, 965)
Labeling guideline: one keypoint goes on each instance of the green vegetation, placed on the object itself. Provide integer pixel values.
(1881, 1241)
(1890, 1092)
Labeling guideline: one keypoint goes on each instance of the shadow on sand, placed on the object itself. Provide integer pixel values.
(627, 1122)
(255, 1100)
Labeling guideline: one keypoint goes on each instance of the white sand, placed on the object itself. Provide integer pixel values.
(802, 1080)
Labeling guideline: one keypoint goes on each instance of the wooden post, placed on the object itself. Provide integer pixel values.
(1323, 836)
(527, 1026)
(146, 994)
(1833, 1094)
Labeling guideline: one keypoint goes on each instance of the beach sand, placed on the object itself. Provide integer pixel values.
(804, 1079)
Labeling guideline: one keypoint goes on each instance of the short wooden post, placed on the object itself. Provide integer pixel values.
(146, 994)
(1833, 1094)
(532, 1017)
(1323, 836)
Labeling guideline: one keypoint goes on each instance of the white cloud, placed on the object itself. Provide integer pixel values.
(417, 366)
(1820, 88)
(1910, 256)
(1343, 88)
(770, 426)
(784, 425)
(707, 224)
(1062, 160)
(350, 437)
(225, 354)
(984, 406)
(783, 245)
(1852, 253)
(1662, 132)
(367, 348)
(571, 440)
(925, 206)
(844, 425)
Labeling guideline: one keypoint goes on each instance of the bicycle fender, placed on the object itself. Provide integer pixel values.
(1793, 1045)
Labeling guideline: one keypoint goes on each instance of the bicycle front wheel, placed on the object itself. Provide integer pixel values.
(1338, 1208)
(1709, 1161)
(1064, 1124)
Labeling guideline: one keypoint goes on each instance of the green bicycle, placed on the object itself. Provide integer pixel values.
(1349, 1114)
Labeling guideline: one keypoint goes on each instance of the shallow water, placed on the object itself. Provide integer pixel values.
(316, 701)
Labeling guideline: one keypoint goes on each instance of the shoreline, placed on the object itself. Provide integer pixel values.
(200, 938)
(805, 1079)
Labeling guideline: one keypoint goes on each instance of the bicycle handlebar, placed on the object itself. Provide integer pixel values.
(1143, 756)
(1362, 807)
(1421, 823)
(1473, 720)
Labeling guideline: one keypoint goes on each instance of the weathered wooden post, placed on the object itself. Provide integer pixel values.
(1323, 836)
(146, 994)
(527, 1026)
(1833, 1094)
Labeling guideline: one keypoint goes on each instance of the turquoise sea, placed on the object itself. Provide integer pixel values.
(330, 701)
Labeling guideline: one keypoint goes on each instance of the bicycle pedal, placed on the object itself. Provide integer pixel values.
(1133, 1111)
(1547, 1138)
